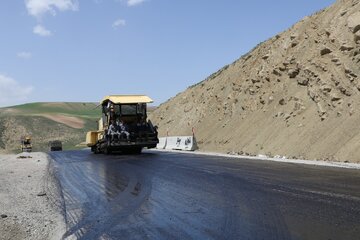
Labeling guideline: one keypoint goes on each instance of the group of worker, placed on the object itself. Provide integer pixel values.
(118, 129)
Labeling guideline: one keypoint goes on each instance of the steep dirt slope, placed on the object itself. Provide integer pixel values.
(295, 95)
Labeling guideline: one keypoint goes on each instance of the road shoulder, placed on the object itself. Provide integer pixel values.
(29, 205)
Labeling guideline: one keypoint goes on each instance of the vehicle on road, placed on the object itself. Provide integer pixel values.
(55, 145)
(123, 126)
(26, 145)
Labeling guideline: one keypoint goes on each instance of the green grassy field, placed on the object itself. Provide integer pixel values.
(29, 119)
(87, 110)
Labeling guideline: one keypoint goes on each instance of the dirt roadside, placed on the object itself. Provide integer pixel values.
(29, 204)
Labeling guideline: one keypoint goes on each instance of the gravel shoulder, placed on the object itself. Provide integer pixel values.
(30, 206)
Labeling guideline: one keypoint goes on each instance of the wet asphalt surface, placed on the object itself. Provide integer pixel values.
(158, 195)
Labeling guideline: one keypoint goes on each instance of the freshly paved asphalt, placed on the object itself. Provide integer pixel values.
(158, 195)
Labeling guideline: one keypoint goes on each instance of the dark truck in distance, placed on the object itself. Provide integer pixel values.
(55, 145)
(123, 126)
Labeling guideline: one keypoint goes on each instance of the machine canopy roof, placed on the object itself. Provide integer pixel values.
(127, 99)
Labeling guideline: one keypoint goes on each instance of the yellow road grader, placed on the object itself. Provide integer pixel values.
(123, 126)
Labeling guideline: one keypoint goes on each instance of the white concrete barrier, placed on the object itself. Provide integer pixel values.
(162, 143)
(185, 143)
(172, 143)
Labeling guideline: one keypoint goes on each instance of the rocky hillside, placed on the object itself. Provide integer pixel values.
(44, 122)
(295, 95)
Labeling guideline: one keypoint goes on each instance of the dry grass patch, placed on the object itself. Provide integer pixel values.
(73, 122)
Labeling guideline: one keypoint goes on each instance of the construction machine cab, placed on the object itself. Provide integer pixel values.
(127, 113)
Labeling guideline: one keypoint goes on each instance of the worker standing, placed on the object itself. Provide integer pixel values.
(112, 131)
(122, 130)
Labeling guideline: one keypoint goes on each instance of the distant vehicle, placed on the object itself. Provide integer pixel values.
(26, 144)
(55, 145)
(123, 126)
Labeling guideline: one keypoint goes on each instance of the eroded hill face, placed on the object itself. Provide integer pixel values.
(295, 95)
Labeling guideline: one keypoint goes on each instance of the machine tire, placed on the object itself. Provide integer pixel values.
(138, 150)
(96, 150)
(107, 151)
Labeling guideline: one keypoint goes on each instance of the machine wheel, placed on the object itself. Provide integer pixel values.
(137, 150)
(107, 151)
(96, 150)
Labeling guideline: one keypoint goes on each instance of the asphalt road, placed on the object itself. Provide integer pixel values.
(159, 195)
